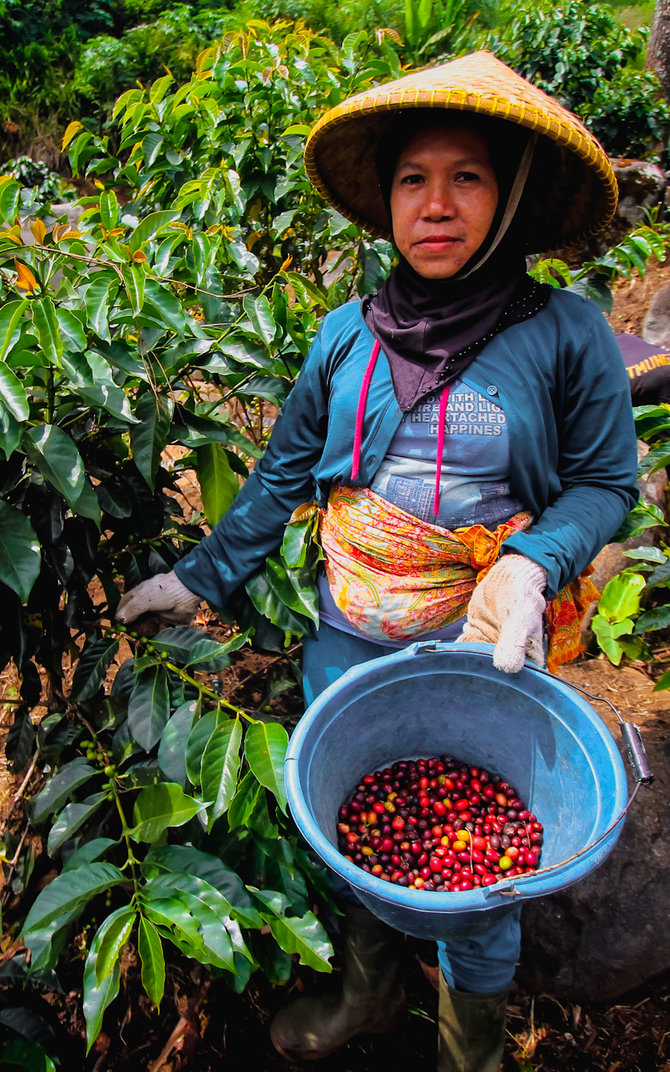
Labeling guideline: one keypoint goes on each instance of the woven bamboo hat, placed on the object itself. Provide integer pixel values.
(571, 191)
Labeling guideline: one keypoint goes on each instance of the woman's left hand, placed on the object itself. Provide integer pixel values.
(507, 609)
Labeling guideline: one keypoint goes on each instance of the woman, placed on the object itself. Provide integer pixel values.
(468, 434)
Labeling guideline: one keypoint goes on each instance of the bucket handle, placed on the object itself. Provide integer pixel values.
(635, 750)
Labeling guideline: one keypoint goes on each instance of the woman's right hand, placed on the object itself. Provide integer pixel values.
(163, 595)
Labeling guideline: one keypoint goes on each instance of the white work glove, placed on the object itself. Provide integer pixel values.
(163, 595)
(507, 609)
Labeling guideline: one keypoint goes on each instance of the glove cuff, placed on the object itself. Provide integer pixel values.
(517, 569)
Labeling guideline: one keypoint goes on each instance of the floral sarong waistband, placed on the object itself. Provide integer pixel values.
(396, 577)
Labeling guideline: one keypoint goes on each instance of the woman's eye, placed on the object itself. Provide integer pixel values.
(411, 180)
(467, 176)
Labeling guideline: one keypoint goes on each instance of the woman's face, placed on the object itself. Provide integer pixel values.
(444, 195)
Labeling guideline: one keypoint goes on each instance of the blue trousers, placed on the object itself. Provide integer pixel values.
(481, 964)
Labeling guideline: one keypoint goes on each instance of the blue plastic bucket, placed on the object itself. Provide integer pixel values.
(428, 699)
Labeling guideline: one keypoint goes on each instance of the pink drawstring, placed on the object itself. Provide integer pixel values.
(444, 398)
(360, 412)
(358, 431)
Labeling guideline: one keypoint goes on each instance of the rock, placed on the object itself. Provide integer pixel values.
(642, 187)
(656, 326)
(610, 932)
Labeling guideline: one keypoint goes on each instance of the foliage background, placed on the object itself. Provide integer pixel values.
(158, 292)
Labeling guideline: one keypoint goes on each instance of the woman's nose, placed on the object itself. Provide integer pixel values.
(439, 203)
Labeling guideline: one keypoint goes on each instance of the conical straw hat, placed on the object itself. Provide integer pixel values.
(571, 191)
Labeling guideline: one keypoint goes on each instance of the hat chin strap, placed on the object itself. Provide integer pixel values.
(512, 204)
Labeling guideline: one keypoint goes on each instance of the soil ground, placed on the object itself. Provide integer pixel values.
(202, 1026)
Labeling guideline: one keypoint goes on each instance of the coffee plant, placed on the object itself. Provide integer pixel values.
(148, 341)
(633, 616)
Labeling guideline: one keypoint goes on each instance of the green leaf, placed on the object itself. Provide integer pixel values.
(17, 1053)
(166, 305)
(187, 860)
(153, 962)
(265, 747)
(607, 634)
(210, 908)
(149, 437)
(149, 706)
(71, 330)
(72, 817)
(220, 767)
(48, 333)
(200, 734)
(651, 620)
(59, 787)
(92, 667)
(244, 801)
(10, 315)
(303, 935)
(109, 209)
(150, 226)
(113, 935)
(10, 194)
(259, 312)
(97, 998)
(61, 465)
(621, 596)
(20, 552)
(69, 892)
(160, 807)
(13, 395)
(171, 751)
(218, 483)
(89, 852)
(133, 279)
(97, 297)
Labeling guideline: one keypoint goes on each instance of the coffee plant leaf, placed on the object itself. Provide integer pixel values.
(218, 483)
(98, 296)
(17, 1053)
(67, 894)
(20, 740)
(113, 935)
(242, 804)
(71, 819)
(658, 458)
(160, 807)
(171, 751)
(621, 596)
(187, 860)
(149, 706)
(88, 853)
(207, 906)
(20, 552)
(196, 743)
(59, 787)
(654, 619)
(264, 749)
(210, 655)
(52, 451)
(97, 998)
(150, 226)
(607, 634)
(152, 959)
(48, 330)
(149, 437)
(302, 935)
(92, 667)
(220, 767)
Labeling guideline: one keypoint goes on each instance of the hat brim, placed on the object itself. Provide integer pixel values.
(571, 191)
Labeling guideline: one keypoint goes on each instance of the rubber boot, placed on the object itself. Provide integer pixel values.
(472, 1030)
(371, 999)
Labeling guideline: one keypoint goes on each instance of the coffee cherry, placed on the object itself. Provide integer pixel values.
(437, 824)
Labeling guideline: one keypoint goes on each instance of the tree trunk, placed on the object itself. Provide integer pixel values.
(658, 49)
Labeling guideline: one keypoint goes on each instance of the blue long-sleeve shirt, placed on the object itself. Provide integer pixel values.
(561, 382)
